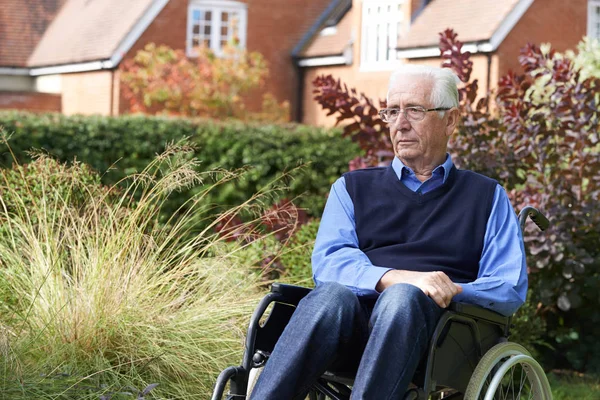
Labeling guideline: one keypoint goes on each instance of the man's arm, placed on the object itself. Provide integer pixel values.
(337, 256)
(501, 284)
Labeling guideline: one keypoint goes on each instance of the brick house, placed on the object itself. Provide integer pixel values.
(363, 46)
(67, 58)
(64, 55)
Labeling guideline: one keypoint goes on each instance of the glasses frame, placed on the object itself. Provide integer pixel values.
(383, 111)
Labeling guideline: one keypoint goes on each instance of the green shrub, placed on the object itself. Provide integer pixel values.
(528, 328)
(129, 143)
(47, 178)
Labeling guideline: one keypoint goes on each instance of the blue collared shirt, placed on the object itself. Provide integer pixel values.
(501, 284)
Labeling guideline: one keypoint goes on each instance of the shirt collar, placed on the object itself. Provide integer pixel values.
(402, 170)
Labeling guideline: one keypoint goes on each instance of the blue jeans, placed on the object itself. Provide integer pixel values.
(380, 340)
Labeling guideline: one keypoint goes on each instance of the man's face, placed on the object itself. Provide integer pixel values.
(418, 142)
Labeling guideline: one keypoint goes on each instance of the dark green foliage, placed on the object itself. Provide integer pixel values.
(47, 178)
(271, 150)
(295, 259)
(132, 141)
(528, 328)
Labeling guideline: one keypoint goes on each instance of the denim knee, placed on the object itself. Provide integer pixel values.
(402, 297)
(331, 300)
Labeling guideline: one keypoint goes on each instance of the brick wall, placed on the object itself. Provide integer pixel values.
(559, 22)
(30, 101)
(274, 28)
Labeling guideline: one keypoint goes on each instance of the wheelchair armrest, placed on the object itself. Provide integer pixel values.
(291, 294)
(479, 313)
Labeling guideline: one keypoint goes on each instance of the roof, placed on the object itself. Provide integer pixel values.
(473, 20)
(316, 44)
(88, 30)
(331, 44)
(22, 24)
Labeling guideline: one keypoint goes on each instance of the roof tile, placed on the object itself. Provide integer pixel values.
(22, 24)
(334, 44)
(87, 30)
(473, 20)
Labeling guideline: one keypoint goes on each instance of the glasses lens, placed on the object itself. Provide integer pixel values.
(392, 114)
(415, 113)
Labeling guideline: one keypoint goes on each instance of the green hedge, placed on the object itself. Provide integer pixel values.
(132, 141)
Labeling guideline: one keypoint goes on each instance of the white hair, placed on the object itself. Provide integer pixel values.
(445, 83)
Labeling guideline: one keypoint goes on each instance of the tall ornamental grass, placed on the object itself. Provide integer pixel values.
(100, 299)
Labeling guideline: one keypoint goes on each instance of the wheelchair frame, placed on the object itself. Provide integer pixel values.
(485, 328)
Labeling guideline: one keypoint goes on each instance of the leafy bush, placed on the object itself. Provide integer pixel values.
(102, 299)
(528, 328)
(129, 143)
(587, 57)
(160, 79)
(543, 147)
(567, 385)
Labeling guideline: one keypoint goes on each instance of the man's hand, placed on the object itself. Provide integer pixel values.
(436, 285)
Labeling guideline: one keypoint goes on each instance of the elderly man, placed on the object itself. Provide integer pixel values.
(396, 245)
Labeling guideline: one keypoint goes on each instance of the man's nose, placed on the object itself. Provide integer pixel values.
(402, 122)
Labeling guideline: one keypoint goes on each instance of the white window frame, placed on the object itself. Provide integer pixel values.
(377, 26)
(216, 7)
(593, 25)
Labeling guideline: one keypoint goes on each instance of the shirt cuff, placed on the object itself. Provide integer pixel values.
(468, 295)
(369, 280)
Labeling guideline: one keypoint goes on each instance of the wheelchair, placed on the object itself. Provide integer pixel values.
(469, 356)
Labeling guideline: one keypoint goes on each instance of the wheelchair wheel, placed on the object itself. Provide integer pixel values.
(507, 371)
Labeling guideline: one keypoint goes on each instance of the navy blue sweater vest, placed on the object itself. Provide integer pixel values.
(442, 230)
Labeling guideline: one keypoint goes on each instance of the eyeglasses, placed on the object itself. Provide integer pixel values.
(413, 114)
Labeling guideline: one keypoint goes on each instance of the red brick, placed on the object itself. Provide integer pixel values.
(31, 101)
(558, 22)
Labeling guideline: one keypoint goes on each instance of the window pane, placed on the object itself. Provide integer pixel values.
(366, 43)
(388, 43)
(213, 26)
(377, 43)
(234, 25)
(380, 30)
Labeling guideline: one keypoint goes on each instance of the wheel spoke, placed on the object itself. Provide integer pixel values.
(513, 386)
(523, 379)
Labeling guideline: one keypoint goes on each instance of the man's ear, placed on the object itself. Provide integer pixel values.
(452, 121)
